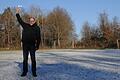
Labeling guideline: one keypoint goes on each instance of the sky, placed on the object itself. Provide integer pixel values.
(79, 10)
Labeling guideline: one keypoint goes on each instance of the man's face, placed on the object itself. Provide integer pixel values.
(32, 21)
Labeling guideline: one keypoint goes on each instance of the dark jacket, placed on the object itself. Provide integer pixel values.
(30, 34)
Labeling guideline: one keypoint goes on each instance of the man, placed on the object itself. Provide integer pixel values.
(30, 42)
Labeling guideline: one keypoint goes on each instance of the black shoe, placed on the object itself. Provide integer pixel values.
(23, 74)
(34, 74)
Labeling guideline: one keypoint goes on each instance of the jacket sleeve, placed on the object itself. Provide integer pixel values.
(22, 23)
(38, 37)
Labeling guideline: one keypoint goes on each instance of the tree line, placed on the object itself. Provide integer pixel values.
(57, 27)
(105, 34)
(58, 30)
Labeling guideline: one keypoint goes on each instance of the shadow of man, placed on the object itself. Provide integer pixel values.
(20, 65)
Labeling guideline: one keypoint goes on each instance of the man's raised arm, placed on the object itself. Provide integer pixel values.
(19, 18)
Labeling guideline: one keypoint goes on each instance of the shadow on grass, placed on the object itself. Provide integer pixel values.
(20, 65)
(88, 59)
(65, 71)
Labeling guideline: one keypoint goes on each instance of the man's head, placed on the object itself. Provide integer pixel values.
(32, 21)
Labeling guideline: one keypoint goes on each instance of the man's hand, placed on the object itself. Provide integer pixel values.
(17, 10)
(36, 48)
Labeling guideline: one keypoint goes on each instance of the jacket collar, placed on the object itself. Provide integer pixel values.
(35, 24)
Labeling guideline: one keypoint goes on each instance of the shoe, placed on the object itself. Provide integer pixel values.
(34, 74)
(23, 74)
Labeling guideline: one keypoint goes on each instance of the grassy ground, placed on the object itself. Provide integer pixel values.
(63, 64)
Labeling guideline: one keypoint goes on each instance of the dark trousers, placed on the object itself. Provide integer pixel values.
(26, 50)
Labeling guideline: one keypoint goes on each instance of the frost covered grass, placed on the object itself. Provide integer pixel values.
(65, 64)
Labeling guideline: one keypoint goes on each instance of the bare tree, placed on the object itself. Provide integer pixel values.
(10, 31)
(104, 35)
(60, 26)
